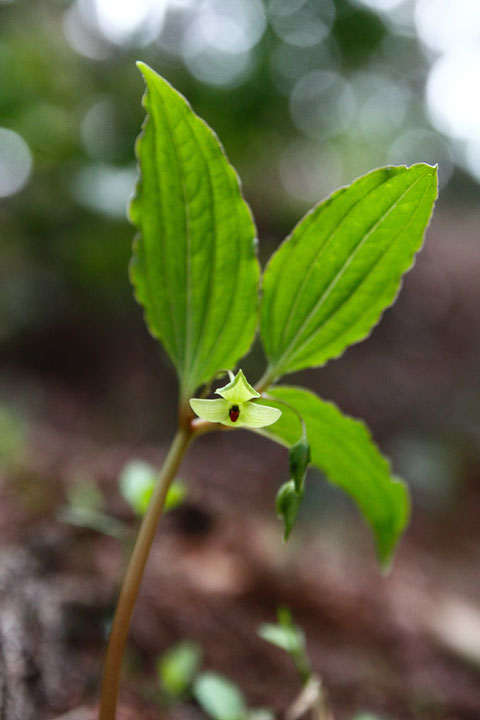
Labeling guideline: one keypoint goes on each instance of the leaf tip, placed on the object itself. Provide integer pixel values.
(386, 544)
(431, 170)
(148, 73)
(386, 566)
(143, 67)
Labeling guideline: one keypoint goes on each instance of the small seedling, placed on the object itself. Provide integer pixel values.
(286, 635)
(180, 678)
(85, 508)
(137, 482)
(85, 505)
(177, 669)
(196, 274)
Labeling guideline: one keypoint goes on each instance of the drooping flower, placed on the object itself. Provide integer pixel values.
(237, 406)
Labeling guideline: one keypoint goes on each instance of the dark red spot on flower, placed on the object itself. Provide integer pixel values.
(234, 412)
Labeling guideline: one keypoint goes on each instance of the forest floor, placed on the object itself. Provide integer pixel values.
(405, 646)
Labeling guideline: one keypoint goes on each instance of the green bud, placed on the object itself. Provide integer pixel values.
(299, 459)
(287, 505)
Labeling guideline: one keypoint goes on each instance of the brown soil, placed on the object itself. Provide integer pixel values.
(404, 646)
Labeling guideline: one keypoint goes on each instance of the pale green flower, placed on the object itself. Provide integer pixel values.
(235, 407)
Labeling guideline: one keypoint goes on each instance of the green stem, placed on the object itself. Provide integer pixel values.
(290, 407)
(134, 574)
(267, 379)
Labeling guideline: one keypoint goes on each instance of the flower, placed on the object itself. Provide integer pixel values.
(236, 408)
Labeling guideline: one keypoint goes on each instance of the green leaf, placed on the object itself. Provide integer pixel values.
(287, 504)
(137, 482)
(219, 697)
(177, 668)
(329, 282)
(260, 714)
(194, 265)
(343, 449)
(290, 639)
(177, 492)
(85, 494)
(85, 517)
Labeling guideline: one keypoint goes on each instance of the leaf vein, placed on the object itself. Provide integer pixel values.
(337, 309)
(326, 243)
(341, 271)
(188, 270)
(149, 266)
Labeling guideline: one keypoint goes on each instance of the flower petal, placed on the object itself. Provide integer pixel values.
(254, 415)
(211, 410)
(238, 390)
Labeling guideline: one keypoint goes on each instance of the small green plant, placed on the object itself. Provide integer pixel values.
(137, 481)
(286, 635)
(85, 509)
(85, 506)
(180, 678)
(196, 274)
(177, 669)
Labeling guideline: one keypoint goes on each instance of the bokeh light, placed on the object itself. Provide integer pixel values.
(452, 93)
(383, 5)
(322, 104)
(443, 24)
(104, 188)
(100, 129)
(219, 38)
(302, 24)
(214, 67)
(382, 104)
(230, 26)
(471, 158)
(309, 173)
(420, 145)
(83, 37)
(121, 22)
(15, 162)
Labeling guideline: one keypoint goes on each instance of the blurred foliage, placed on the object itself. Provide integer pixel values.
(219, 698)
(85, 508)
(85, 501)
(137, 481)
(181, 679)
(177, 667)
(316, 94)
(12, 439)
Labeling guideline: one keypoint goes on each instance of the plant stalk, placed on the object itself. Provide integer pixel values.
(133, 576)
(267, 379)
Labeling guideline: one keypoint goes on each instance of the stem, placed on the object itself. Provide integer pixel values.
(134, 574)
(267, 379)
(290, 407)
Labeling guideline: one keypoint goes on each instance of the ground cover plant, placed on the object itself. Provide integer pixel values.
(196, 274)
(180, 677)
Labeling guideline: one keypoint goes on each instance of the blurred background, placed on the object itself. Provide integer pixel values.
(305, 95)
